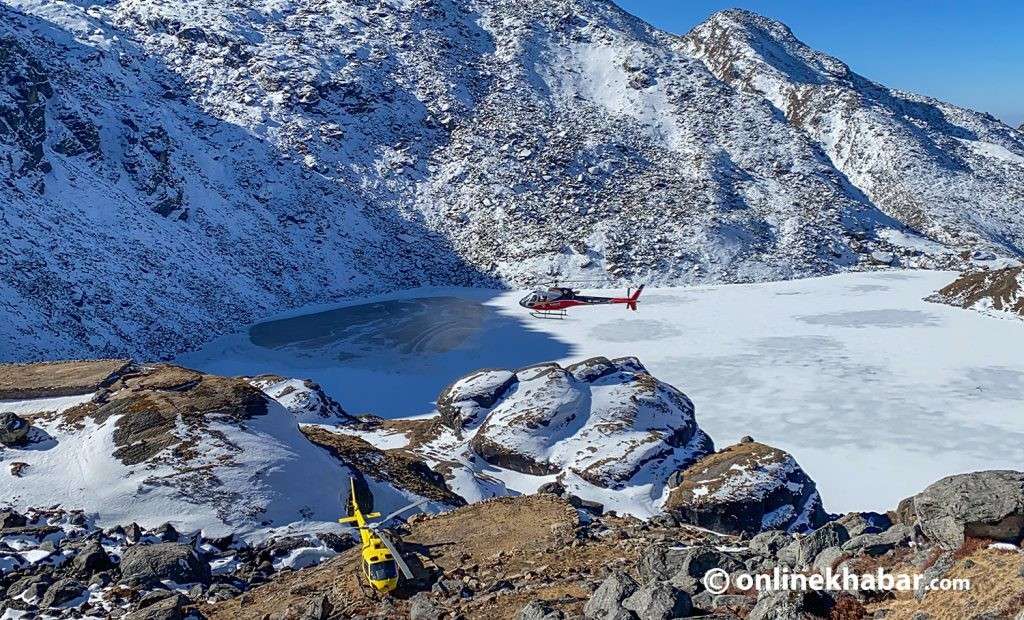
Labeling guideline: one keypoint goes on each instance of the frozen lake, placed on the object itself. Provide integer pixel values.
(874, 391)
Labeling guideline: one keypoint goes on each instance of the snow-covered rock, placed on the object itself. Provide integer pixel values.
(303, 398)
(748, 487)
(172, 170)
(998, 292)
(606, 430)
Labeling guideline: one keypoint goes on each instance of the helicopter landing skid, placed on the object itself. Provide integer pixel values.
(548, 314)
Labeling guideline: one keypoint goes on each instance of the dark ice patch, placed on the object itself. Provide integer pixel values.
(634, 330)
(886, 318)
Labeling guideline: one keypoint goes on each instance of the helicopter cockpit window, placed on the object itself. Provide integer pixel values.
(380, 571)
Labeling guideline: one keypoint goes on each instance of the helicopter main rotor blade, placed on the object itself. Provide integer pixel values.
(398, 512)
(395, 554)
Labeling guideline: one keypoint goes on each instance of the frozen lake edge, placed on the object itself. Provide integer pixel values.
(876, 392)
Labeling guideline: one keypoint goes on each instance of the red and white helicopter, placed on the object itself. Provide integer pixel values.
(551, 303)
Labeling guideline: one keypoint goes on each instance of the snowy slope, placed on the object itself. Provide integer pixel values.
(216, 470)
(172, 170)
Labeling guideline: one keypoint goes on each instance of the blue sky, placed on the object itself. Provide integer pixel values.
(970, 53)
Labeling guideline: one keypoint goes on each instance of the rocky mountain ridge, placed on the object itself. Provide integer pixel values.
(220, 161)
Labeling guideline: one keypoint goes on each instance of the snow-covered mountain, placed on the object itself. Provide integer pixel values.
(953, 174)
(172, 170)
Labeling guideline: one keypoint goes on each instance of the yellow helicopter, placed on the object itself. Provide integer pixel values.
(381, 560)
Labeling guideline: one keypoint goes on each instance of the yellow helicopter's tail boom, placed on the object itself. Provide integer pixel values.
(357, 515)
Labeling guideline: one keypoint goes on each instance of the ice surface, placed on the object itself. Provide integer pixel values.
(875, 392)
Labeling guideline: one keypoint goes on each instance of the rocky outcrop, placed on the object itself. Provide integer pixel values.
(467, 400)
(594, 425)
(998, 292)
(987, 504)
(403, 470)
(604, 427)
(152, 404)
(749, 487)
(52, 379)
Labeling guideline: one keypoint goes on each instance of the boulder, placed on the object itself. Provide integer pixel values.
(985, 504)
(13, 428)
(877, 544)
(769, 543)
(166, 533)
(36, 583)
(857, 523)
(422, 608)
(683, 567)
(168, 608)
(828, 558)
(658, 601)
(749, 487)
(62, 592)
(606, 601)
(829, 535)
(10, 518)
(90, 560)
(145, 564)
(790, 605)
(538, 610)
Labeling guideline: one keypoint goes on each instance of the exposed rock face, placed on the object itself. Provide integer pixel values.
(748, 487)
(998, 292)
(986, 504)
(400, 468)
